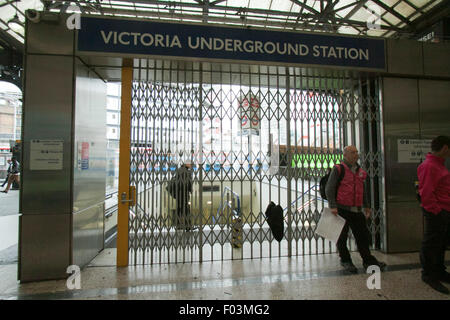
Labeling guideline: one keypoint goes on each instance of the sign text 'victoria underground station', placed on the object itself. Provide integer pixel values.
(196, 41)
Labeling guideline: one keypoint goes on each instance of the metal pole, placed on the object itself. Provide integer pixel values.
(200, 163)
(289, 161)
(124, 160)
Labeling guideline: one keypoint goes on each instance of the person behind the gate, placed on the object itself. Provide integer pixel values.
(184, 189)
(348, 198)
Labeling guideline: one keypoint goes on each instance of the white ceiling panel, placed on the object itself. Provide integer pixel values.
(392, 19)
(362, 15)
(281, 5)
(419, 3)
(404, 9)
(260, 4)
(433, 4)
(348, 30)
(375, 32)
(236, 3)
(390, 3)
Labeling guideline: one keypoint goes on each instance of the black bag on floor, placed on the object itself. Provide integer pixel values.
(274, 217)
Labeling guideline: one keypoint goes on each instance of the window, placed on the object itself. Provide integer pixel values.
(113, 103)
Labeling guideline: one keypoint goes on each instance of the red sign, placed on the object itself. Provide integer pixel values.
(250, 109)
(84, 155)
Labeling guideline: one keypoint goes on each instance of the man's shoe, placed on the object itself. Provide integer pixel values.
(436, 285)
(445, 277)
(380, 264)
(4, 191)
(349, 267)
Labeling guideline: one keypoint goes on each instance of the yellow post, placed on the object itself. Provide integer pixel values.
(124, 163)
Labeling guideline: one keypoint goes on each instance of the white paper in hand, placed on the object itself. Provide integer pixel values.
(330, 226)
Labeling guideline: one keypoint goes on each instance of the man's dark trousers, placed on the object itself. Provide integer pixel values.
(183, 211)
(357, 222)
(435, 237)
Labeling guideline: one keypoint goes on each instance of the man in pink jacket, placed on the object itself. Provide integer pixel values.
(434, 190)
(349, 197)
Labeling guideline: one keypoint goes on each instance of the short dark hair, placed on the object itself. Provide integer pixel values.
(439, 142)
(13, 159)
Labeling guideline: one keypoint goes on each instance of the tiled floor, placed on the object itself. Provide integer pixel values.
(308, 277)
(9, 202)
(300, 277)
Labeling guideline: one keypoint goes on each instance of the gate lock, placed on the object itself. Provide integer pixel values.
(132, 200)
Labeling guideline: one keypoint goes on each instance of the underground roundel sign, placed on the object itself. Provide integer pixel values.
(244, 121)
(250, 112)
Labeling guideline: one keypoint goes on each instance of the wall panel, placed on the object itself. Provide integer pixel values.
(89, 168)
(434, 108)
(45, 241)
(436, 59)
(47, 115)
(401, 121)
(413, 109)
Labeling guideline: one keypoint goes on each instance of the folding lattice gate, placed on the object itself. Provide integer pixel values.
(229, 121)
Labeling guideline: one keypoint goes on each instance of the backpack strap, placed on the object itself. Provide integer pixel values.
(341, 170)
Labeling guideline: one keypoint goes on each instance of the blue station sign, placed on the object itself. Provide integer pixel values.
(224, 43)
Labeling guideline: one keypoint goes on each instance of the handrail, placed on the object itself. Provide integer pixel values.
(109, 211)
(138, 206)
(238, 212)
(301, 196)
(110, 195)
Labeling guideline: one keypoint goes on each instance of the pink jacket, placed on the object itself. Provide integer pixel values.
(434, 184)
(351, 188)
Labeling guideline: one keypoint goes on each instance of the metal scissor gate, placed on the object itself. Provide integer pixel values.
(252, 134)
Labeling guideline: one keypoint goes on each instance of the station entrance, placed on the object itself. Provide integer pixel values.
(250, 135)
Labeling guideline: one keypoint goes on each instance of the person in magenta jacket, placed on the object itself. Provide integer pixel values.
(349, 198)
(434, 190)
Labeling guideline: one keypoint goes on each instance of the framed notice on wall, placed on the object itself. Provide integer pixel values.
(412, 150)
(46, 154)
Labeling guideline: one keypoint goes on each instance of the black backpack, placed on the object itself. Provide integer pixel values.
(274, 217)
(324, 180)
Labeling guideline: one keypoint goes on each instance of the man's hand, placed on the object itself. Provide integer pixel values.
(367, 212)
(334, 211)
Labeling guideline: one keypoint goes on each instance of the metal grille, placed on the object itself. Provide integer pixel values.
(253, 134)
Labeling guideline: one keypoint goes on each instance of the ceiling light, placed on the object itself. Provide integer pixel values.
(15, 24)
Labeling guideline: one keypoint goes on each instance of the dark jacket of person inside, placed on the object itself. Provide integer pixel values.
(183, 180)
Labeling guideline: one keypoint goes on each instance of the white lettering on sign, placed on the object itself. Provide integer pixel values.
(340, 53)
(233, 45)
(429, 36)
(137, 38)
